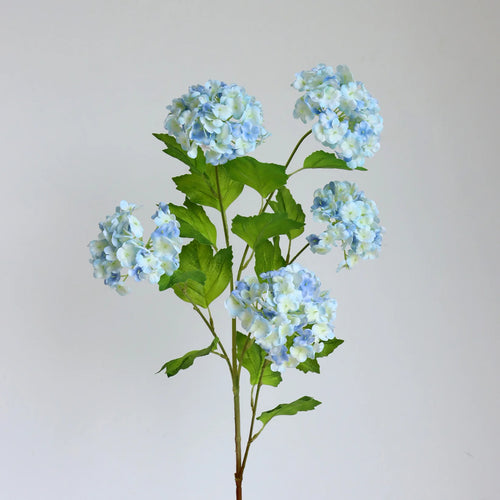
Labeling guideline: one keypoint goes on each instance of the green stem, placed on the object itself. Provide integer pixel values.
(292, 154)
(238, 475)
(221, 205)
(245, 265)
(288, 251)
(242, 267)
(255, 436)
(303, 249)
(210, 325)
(251, 396)
(236, 367)
(243, 351)
(268, 199)
(251, 438)
(301, 140)
(296, 171)
(235, 375)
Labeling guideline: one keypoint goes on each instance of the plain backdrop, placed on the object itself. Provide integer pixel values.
(411, 405)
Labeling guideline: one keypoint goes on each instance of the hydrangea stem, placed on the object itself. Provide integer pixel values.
(211, 327)
(251, 437)
(268, 199)
(235, 366)
(235, 372)
(222, 211)
(303, 249)
(238, 476)
(301, 140)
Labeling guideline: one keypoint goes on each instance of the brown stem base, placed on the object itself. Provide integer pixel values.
(239, 494)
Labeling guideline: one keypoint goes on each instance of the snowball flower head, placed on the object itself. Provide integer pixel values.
(349, 121)
(120, 251)
(286, 313)
(352, 222)
(223, 120)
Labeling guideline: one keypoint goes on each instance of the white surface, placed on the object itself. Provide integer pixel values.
(410, 402)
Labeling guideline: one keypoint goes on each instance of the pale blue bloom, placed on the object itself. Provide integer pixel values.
(120, 250)
(223, 120)
(349, 121)
(162, 215)
(329, 130)
(286, 313)
(127, 253)
(352, 222)
(344, 74)
(137, 273)
(302, 347)
(280, 358)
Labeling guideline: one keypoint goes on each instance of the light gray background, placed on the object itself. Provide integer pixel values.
(410, 402)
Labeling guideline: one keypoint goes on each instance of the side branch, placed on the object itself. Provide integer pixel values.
(222, 211)
(251, 437)
(210, 326)
(301, 140)
(303, 249)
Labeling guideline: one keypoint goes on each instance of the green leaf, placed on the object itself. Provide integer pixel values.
(197, 189)
(263, 177)
(173, 367)
(312, 365)
(286, 204)
(262, 227)
(322, 159)
(309, 365)
(217, 269)
(202, 187)
(305, 403)
(175, 150)
(329, 347)
(230, 189)
(195, 223)
(253, 357)
(268, 256)
(179, 276)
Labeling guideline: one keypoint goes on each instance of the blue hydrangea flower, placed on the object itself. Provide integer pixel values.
(352, 222)
(120, 251)
(223, 120)
(349, 121)
(286, 313)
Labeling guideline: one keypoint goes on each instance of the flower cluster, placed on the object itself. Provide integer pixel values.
(348, 116)
(286, 313)
(120, 248)
(222, 119)
(352, 221)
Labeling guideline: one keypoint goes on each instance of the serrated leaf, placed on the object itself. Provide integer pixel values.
(322, 159)
(263, 177)
(309, 365)
(202, 188)
(268, 256)
(194, 223)
(175, 150)
(252, 360)
(217, 269)
(197, 189)
(167, 282)
(173, 367)
(286, 204)
(262, 227)
(329, 347)
(305, 403)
